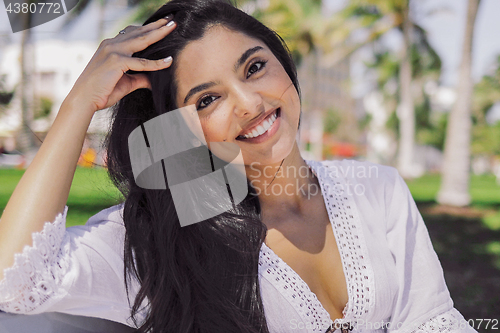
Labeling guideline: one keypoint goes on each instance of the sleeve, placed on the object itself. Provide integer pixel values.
(78, 270)
(33, 282)
(423, 302)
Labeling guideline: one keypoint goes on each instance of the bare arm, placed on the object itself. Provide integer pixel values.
(43, 190)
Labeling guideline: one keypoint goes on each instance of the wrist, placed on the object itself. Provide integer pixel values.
(78, 104)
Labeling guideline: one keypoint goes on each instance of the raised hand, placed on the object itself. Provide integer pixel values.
(104, 80)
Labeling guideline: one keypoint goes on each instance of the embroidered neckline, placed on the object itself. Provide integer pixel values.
(349, 236)
(350, 242)
(294, 289)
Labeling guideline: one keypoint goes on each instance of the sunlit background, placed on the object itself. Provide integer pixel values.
(412, 84)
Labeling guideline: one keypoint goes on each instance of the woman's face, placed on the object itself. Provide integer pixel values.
(242, 93)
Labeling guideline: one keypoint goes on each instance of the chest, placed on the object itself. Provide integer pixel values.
(310, 249)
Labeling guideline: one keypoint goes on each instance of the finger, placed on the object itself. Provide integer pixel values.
(158, 23)
(144, 40)
(141, 64)
(133, 30)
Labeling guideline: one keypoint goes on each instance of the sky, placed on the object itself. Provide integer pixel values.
(444, 21)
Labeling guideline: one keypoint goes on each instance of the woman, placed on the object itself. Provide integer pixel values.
(313, 246)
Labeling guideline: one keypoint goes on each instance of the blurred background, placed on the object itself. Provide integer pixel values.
(413, 84)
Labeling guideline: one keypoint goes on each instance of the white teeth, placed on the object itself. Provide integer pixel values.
(261, 129)
(267, 124)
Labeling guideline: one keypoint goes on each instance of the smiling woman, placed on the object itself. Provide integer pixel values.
(313, 249)
(242, 93)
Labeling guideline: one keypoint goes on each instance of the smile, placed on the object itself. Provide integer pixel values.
(261, 130)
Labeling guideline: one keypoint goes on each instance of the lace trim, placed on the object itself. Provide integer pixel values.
(350, 239)
(450, 321)
(38, 271)
(357, 268)
(293, 288)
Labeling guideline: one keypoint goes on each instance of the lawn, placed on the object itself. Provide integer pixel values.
(467, 240)
(90, 192)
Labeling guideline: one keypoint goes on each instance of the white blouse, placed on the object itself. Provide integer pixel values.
(394, 277)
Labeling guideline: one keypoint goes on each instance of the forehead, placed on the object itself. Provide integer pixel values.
(211, 57)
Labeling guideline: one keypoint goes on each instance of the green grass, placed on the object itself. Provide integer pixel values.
(483, 189)
(91, 191)
(424, 189)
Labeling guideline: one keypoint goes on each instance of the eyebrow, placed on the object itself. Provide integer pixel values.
(197, 89)
(246, 55)
(238, 64)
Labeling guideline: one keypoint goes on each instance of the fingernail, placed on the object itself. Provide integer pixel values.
(167, 59)
(171, 23)
(169, 17)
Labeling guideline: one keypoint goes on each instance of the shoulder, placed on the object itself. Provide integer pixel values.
(111, 215)
(106, 227)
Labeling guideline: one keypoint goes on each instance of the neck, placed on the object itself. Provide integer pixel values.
(287, 184)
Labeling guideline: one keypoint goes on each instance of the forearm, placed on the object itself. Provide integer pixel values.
(43, 190)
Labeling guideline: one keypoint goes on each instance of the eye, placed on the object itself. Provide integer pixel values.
(206, 101)
(255, 67)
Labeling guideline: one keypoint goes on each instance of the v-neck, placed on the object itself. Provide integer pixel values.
(356, 267)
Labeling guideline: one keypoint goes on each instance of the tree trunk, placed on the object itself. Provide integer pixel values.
(26, 139)
(406, 110)
(456, 163)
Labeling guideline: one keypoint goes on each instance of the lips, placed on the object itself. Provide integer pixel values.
(261, 127)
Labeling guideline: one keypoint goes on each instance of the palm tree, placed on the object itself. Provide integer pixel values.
(455, 171)
(426, 67)
(378, 17)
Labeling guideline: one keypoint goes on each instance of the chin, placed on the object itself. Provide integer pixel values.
(275, 156)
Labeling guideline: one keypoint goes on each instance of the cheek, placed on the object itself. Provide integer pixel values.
(278, 81)
(214, 127)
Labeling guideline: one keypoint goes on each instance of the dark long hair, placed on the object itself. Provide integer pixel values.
(202, 277)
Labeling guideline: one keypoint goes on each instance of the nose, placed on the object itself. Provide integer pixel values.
(247, 101)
